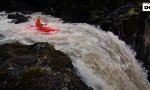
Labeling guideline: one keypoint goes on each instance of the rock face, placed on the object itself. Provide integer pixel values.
(145, 49)
(36, 67)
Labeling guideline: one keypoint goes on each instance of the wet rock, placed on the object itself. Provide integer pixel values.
(145, 49)
(36, 67)
(18, 18)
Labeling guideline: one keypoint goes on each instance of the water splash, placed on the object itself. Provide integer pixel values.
(102, 60)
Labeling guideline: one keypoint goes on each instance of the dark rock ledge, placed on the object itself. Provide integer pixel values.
(36, 67)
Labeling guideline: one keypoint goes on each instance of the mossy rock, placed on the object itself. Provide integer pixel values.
(37, 67)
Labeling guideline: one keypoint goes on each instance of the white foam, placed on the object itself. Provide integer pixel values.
(102, 60)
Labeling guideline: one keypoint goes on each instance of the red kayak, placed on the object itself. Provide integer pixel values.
(44, 28)
(47, 29)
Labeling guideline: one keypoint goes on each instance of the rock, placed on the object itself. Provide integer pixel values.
(145, 49)
(36, 67)
(18, 18)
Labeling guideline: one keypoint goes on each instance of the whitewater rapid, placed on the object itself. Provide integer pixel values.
(102, 60)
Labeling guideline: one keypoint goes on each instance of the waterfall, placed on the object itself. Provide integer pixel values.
(101, 60)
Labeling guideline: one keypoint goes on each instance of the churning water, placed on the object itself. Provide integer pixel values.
(102, 60)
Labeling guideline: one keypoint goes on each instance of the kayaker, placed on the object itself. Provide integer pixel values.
(38, 22)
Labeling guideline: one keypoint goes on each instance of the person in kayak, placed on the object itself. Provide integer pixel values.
(38, 22)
